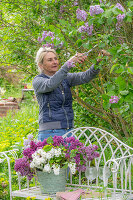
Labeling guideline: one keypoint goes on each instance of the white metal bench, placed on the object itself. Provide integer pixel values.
(114, 154)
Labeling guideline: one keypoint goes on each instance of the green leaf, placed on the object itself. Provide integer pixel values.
(129, 98)
(111, 93)
(121, 83)
(47, 148)
(73, 153)
(130, 70)
(124, 92)
(124, 108)
(65, 166)
(109, 20)
(106, 104)
(113, 67)
(79, 42)
(50, 140)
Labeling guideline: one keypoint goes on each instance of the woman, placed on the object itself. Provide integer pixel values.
(52, 90)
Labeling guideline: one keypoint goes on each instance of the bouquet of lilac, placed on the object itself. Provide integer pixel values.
(53, 154)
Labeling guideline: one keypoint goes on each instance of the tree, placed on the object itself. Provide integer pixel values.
(77, 26)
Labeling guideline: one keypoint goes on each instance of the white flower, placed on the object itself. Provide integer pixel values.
(52, 151)
(32, 164)
(56, 169)
(43, 154)
(40, 151)
(42, 160)
(48, 156)
(72, 167)
(47, 168)
(57, 152)
(34, 155)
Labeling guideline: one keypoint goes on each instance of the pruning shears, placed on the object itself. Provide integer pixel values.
(87, 53)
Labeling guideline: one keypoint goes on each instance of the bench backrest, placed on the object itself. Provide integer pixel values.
(110, 148)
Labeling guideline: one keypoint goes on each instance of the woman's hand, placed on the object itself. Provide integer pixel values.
(78, 58)
(103, 53)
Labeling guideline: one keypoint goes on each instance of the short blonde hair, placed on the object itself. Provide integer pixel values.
(41, 53)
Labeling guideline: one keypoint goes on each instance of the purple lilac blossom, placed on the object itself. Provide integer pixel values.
(82, 29)
(33, 145)
(114, 99)
(89, 28)
(62, 8)
(121, 40)
(28, 152)
(23, 166)
(52, 37)
(58, 140)
(86, 28)
(81, 14)
(30, 137)
(39, 40)
(76, 3)
(120, 7)
(119, 18)
(95, 10)
(102, 1)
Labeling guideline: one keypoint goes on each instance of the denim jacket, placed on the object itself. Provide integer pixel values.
(54, 96)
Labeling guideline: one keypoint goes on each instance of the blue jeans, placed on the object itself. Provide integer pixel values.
(47, 133)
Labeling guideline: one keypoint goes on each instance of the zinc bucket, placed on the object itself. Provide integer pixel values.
(51, 183)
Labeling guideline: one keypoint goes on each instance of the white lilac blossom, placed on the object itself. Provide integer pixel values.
(81, 14)
(47, 168)
(32, 165)
(48, 155)
(72, 167)
(56, 169)
(95, 10)
(57, 152)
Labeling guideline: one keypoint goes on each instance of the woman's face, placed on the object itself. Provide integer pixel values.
(50, 64)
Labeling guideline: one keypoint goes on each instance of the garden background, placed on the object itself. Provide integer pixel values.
(69, 26)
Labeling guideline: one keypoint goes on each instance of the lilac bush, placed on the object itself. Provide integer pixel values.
(53, 154)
